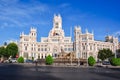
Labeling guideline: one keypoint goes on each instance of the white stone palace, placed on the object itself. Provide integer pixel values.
(83, 45)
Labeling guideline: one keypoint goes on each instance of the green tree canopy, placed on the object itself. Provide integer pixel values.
(49, 60)
(91, 61)
(12, 49)
(115, 61)
(104, 54)
(20, 60)
(2, 51)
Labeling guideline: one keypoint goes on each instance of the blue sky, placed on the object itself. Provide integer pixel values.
(101, 16)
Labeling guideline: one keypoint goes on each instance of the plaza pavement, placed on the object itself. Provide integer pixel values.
(27, 71)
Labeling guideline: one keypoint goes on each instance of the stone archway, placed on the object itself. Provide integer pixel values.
(55, 51)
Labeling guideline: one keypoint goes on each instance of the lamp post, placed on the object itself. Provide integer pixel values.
(79, 58)
(71, 57)
(78, 62)
(87, 60)
(116, 54)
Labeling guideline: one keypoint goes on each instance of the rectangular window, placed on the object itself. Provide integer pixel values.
(45, 49)
(32, 49)
(90, 47)
(65, 49)
(83, 47)
(25, 47)
(41, 49)
(69, 49)
(84, 38)
(66, 40)
(38, 49)
(55, 40)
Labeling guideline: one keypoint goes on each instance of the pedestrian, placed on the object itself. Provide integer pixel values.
(36, 62)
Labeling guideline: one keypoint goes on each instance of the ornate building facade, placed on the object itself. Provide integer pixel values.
(53, 44)
(86, 46)
(83, 46)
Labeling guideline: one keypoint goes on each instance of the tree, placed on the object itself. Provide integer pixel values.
(32, 58)
(20, 60)
(104, 54)
(2, 51)
(12, 49)
(115, 61)
(91, 61)
(49, 60)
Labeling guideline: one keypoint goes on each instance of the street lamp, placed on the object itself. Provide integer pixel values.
(87, 60)
(116, 54)
(78, 62)
(78, 59)
(71, 58)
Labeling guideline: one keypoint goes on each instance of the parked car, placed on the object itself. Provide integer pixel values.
(13, 60)
(6, 61)
(1, 61)
(106, 63)
(28, 61)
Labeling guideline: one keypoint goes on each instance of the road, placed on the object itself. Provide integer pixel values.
(32, 72)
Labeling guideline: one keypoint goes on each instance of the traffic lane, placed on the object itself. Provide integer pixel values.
(17, 72)
(21, 72)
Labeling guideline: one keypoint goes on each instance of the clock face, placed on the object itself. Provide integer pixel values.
(55, 34)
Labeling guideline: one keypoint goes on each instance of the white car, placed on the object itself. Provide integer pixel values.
(6, 61)
(13, 60)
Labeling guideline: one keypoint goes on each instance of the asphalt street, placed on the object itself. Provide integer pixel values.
(32, 72)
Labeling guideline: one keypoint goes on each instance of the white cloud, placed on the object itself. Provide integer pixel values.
(11, 40)
(75, 17)
(64, 5)
(117, 34)
(18, 15)
(4, 25)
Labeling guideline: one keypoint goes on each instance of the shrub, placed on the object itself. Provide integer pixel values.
(20, 60)
(49, 60)
(91, 61)
(32, 58)
(115, 61)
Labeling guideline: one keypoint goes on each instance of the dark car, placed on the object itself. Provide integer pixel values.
(106, 63)
(28, 61)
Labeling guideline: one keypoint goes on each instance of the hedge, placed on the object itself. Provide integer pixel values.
(20, 60)
(49, 60)
(91, 61)
(115, 61)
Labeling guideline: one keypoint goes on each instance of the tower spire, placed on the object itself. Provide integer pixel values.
(57, 22)
(71, 32)
(86, 31)
(92, 31)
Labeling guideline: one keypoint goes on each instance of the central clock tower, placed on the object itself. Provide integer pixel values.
(57, 30)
